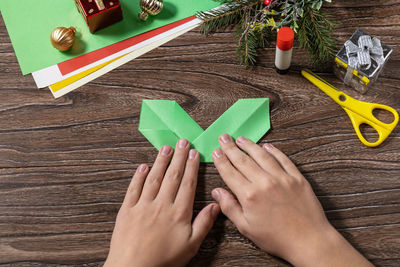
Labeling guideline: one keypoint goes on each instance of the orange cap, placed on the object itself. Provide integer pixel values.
(284, 40)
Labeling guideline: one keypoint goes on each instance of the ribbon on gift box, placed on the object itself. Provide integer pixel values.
(360, 56)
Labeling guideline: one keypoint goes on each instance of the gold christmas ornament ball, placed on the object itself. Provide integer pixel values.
(152, 7)
(63, 38)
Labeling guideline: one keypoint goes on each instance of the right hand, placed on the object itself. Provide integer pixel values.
(276, 207)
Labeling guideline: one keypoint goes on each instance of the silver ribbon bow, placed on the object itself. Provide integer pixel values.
(359, 56)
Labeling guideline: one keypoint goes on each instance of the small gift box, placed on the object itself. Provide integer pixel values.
(360, 61)
(99, 14)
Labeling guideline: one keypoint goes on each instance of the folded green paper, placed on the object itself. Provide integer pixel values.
(164, 122)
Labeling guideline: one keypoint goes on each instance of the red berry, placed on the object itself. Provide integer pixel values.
(267, 2)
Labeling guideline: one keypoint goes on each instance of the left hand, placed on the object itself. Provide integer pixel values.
(154, 225)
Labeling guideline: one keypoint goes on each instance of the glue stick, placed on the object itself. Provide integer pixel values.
(284, 47)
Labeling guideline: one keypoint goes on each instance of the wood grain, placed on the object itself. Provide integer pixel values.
(65, 163)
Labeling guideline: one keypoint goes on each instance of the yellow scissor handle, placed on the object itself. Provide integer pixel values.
(359, 112)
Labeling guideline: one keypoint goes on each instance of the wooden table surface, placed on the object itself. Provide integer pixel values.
(65, 163)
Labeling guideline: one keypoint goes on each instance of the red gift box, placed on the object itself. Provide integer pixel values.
(99, 14)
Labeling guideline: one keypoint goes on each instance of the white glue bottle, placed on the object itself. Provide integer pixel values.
(284, 47)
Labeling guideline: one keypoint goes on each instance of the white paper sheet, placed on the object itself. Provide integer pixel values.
(128, 57)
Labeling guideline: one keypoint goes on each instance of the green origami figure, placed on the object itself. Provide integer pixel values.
(164, 122)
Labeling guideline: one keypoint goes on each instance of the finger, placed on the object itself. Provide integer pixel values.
(156, 174)
(174, 173)
(283, 160)
(242, 162)
(203, 223)
(136, 185)
(230, 207)
(260, 155)
(187, 189)
(232, 178)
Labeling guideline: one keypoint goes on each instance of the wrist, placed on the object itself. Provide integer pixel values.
(328, 248)
(317, 248)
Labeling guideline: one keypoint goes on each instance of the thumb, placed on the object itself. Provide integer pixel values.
(203, 223)
(229, 206)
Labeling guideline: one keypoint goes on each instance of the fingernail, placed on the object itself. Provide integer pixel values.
(215, 211)
(182, 143)
(142, 168)
(217, 153)
(192, 153)
(215, 194)
(242, 139)
(225, 138)
(268, 146)
(165, 150)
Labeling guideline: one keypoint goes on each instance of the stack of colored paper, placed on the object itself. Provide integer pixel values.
(30, 23)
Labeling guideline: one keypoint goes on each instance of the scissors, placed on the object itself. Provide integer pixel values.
(359, 112)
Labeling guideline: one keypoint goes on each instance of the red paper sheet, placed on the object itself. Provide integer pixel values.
(86, 59)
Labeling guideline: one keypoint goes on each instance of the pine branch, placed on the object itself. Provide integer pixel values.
(229, 14)
(264, 37)
(255, 23)
(315, 35)
(247, 50)
(220, 18)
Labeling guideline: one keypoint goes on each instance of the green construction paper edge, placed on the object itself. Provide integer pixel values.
(164, 122)
(30, 23)
(246, 117)
(157, 117)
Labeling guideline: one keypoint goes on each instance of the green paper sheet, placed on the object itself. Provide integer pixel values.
(30, 23)
(164, 122)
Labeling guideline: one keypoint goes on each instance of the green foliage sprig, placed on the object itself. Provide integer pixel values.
(257, 24)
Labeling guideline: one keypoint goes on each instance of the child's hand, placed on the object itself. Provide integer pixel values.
(154, 225)
(276, 207)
